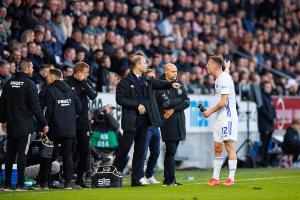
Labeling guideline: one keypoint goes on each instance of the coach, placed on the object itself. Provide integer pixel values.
(19, 103)
(172, 104)
(135, 93)
(85, 91)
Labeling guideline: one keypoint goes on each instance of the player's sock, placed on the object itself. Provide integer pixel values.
(217, 164)
(232, 168)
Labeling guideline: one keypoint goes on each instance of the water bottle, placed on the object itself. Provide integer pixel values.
(3, 172)
(14, 175)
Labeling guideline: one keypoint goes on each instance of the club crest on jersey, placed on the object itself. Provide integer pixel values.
(179, 91)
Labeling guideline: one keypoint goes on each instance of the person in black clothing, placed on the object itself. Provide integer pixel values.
(172, 104)
(291, 142)
(135, 93)
(103, 74)
(85, 91)
(19, 102)
(4, 73)
(266, 120)
(62, 106)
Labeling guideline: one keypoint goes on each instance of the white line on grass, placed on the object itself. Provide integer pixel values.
(242, 180)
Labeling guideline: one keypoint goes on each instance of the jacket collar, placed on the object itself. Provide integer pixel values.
(22, 74)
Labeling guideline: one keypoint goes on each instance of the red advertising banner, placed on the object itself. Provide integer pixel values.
(287, 109)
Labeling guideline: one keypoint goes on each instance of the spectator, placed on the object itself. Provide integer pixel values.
(292, 87)
(4, 73)
(103, 74)
(69, 57)
(67, 72)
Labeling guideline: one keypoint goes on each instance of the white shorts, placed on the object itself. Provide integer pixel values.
(225, 129)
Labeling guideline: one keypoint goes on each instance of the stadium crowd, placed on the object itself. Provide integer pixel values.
(262, 36)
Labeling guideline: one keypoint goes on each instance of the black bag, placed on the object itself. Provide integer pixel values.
(33, 155)
(2, 149)
(46, 148)
(106, 177)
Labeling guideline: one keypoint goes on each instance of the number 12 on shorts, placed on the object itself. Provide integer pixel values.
(226, 130)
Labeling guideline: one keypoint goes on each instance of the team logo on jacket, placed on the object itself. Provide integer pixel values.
(16, 84)
(64, 102)
(179, 91)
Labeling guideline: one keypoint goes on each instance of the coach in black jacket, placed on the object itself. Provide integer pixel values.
(62, 106)
(266, 120)
(135, 93)
(172, 104)
(19, 103)
(85, 91)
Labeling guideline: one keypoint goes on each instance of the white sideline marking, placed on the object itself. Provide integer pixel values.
(242, 180)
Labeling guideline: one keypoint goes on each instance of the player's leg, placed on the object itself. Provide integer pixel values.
(217, 164)
(232, 161)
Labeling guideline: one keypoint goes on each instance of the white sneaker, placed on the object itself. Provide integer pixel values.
(144, 181)
(152, 180)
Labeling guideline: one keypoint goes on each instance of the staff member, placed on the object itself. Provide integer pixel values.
(172, 104)
(62, 106)
(85, 91)
(18, 104)
(266, 121)
(135, 93)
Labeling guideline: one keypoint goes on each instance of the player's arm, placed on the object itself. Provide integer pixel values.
(227, 66)
(220, 105)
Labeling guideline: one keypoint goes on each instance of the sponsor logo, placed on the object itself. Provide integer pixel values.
(103, 182)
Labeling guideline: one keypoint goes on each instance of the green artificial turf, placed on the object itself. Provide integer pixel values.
(250, 184)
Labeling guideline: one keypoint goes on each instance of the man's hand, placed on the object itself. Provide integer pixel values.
(45, 129)
(142, 109)
(168, 113)
(206, 113)
(79, 76)
(176, 85)
(4, 128)
(227, 65)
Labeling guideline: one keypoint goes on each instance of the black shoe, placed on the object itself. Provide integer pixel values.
(136, 184)
(172, 184)
(68, 185)
(81, 184)
(44, 186)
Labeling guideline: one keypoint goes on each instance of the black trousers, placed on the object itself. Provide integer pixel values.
(169, 162)
(82, 150)
(293, 149)
(139, 138)
(67, 149)
(20, 146)
(265, 138)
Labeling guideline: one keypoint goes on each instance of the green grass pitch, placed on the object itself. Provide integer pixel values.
(250, 184)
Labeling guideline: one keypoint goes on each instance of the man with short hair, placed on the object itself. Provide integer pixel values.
(62, 106)
(172, 104)
(19, 103)
(85, 91)
(135, 93)
(226, 127)
(4, 73)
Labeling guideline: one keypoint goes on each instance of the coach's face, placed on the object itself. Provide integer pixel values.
(143, 65)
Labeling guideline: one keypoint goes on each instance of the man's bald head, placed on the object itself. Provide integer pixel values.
(170, 71)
